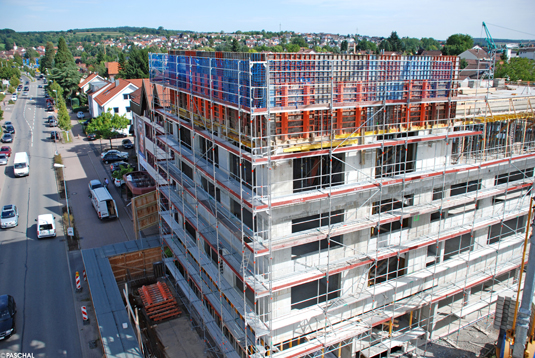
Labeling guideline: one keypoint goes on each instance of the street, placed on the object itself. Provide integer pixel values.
(35, 272)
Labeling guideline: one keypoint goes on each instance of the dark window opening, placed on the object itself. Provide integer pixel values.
(467, 187)
(514, 176)
(315, 221)
(507, 228)
(387, 269)
(185, 136)
(209, 151)
(248, 293)
(394, 160)
(438, 193)
(315, 292)
(187, 170)
(392, 205)
(190, 229)
(247, 219)
(247, 175)
(315, 172)
(457, 245)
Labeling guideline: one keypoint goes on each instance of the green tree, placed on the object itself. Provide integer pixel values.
(516, 69)
(137, 65)
(11, 89)
(463, 64)
(293, 47)
(64, 55)
(18, 59)
(47, 61)
(55, 90)
(235, 47)
(14, 81)
(67, 76)
(123, 170)
(344, 46)
(104, 126)
(64, 121)
(457, 44)
(299, 41)
(430, 44)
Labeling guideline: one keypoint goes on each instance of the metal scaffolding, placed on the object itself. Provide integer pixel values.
(333, 205)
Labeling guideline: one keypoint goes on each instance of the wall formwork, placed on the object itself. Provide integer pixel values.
(335, 205)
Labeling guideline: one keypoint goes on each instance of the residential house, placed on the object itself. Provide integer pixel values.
(92, 80)
(476, 53)
(113, 69)
(115, 97)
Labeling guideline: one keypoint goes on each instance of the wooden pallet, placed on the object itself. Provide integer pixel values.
(159, 302)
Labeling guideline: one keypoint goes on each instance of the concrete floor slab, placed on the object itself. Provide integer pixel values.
(179, 339)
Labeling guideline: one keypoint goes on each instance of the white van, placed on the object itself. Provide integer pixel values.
(103, 203)
(21, 164)
(14, 97)
(46, 227)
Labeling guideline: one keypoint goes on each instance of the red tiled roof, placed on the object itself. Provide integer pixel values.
(113, 68)
(136, 82)
(111, 91)
(87, 80)
(136, 96)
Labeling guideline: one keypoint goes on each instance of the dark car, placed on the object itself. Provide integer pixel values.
(10, 130)
(85, 123)
(50, 109)
(115, 166)
(112, 157)
(127, 144)
(26, 89)
(40, 86)
(53, 123)
(8, 309)
(27, 82)
(8, 138)
(54, 136)
(5, 150)
(91, 136)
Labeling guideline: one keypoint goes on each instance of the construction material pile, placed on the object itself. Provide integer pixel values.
(159, 302)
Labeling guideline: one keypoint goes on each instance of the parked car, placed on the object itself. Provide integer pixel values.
(80, 115)
(86, 123)
(3, 159)
(53, 123)
(46, 226)
(50, 109)
(27, 82)
(26, 89)
(127, 144)
(116, 166)
(54, 136)
(123, 155)
(91, 136)
(14, 97)
(118, 182)
(40, 86)
(6, 150)
(112, 157)
(10, 130)
(93, 184)
(8, 123)
(9, 216)
(7, 138)
(8, 309)
(49, 119)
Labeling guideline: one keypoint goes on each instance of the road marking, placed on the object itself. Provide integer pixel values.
(29, 126)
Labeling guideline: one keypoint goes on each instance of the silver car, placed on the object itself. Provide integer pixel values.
(9, 216)
(3, 159)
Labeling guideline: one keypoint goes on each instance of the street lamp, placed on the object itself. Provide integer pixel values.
(57, 165)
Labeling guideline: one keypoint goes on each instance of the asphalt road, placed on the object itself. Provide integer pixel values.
(35, 272)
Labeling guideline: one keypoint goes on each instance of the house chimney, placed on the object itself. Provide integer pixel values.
(116, 83)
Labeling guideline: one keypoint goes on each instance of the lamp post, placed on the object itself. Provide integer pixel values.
(57, 165)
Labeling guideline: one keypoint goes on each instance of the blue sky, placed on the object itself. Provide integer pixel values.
(414, 18)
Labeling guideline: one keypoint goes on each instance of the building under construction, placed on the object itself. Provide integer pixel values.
(335, 205)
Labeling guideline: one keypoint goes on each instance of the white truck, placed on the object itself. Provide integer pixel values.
(103, 203)
(21, 164)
